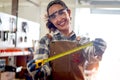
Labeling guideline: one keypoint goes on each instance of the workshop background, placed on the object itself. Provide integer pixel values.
(22, 24)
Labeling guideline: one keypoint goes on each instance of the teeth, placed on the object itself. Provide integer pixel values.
(62, 23)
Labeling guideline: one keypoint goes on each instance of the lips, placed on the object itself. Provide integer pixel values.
(62, 23)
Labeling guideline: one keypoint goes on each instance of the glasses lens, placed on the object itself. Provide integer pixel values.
(52, 16)
(60, 12)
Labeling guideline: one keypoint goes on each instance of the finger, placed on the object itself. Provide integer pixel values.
(32, 68)
(31, 62)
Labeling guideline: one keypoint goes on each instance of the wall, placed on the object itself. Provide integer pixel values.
(5, 8)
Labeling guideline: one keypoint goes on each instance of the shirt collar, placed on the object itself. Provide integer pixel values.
(58, 32)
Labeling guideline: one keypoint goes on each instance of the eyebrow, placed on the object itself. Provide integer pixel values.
(56, 12)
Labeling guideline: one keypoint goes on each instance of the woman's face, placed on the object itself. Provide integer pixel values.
(60, 17)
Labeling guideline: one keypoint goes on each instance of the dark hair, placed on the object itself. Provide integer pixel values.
(60, 2)
(50, 26)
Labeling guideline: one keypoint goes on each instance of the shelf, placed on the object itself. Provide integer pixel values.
(5, 54)
(13, 52)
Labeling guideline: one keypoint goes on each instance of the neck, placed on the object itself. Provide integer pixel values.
(67, 32)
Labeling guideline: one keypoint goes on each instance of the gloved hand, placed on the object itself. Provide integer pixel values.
(36, 73)
(39, 74)
(100, 46)
(31, 65)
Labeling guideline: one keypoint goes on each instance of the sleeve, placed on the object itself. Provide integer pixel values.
(43, 46)
(42, 53)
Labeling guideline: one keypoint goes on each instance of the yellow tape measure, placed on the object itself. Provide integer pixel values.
(43, 61)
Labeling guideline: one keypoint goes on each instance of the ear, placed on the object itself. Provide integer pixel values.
(69, 12)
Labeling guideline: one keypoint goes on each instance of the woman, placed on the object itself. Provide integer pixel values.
(59, 24)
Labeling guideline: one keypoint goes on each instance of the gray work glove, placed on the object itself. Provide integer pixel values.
(100, 46)
(36, 73)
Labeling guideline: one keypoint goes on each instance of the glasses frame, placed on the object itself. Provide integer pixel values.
(59, 12)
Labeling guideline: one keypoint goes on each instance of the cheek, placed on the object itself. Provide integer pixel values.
(53, 22)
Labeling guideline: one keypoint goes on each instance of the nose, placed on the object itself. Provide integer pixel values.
(58, 17)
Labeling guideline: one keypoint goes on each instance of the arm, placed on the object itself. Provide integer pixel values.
(93, 55)
(95, 52)
(41, 53)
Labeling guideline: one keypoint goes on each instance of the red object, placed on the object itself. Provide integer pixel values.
(12, 50)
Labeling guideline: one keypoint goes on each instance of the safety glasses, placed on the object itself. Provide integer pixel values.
(54, 15)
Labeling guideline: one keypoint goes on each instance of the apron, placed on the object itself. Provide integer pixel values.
(69, 67)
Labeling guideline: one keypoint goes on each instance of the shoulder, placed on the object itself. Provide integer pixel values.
(43, 39)
(46, 39)
(84, 40)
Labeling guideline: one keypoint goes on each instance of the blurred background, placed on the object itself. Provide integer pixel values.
(92, 18)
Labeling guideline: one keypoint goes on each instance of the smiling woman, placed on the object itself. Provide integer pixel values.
(63, 38)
